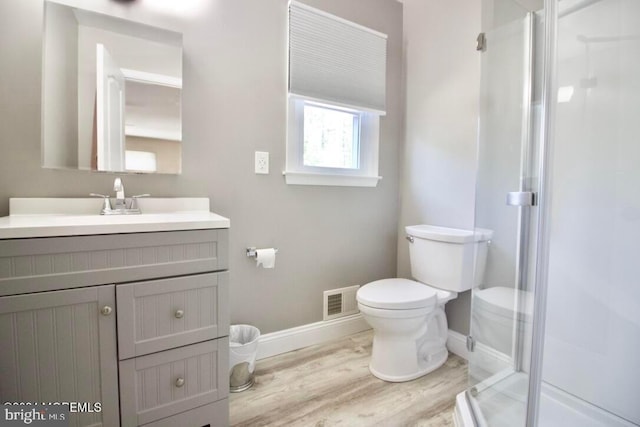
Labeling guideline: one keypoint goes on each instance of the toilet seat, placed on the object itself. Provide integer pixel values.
(421, 312)
(397, 294)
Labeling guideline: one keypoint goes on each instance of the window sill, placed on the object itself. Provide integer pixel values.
(305, 178)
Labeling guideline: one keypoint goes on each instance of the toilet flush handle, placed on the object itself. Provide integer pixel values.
(409, 238)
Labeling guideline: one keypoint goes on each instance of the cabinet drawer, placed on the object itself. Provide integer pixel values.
(51, 263)
(162, 384)
(162, 314)
(214, 415)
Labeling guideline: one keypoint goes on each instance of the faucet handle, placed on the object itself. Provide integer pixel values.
(134, 201)
(106, 205)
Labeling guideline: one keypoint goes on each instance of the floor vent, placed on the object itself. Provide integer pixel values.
(340, 302)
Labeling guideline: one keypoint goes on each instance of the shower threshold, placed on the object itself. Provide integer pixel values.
(502, 403)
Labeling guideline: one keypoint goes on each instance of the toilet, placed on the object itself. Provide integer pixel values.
(407, 316)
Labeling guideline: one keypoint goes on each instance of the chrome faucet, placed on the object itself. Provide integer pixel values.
(123, 206)
(121, 201)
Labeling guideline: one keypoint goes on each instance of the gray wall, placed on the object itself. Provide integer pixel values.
(234, 104)
(442, 84)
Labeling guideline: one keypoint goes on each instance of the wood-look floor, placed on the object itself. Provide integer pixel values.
(330, 385)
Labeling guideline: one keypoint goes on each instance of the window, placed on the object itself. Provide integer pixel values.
(331, 137)
(329, 145)
(336, 98)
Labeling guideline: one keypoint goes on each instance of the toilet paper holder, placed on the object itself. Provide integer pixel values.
(252, 252)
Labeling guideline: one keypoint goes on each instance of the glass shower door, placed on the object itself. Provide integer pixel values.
(591, 362)
(502, 300)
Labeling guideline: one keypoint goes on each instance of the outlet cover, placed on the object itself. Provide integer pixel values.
(262, 162)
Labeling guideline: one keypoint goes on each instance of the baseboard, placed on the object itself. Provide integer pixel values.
(457, 344)
(299, 337)
(303, 336)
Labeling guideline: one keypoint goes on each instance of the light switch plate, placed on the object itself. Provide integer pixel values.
(262, 162)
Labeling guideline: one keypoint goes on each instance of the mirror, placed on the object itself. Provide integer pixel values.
(112, 93)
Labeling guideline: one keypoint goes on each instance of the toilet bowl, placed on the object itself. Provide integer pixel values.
(410, 327)
(407, 316)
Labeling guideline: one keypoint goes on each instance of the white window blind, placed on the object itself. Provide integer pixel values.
(335, 60)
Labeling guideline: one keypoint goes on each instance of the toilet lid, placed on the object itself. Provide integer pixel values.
(396, 294)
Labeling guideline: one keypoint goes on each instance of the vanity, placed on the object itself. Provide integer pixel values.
(128, 311)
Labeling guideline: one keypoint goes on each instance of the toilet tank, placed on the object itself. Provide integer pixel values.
(444, 257)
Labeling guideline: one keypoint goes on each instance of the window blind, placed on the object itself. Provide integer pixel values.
(335, 60)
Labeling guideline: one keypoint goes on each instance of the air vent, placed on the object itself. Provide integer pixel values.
(334, 304)
(340, 302)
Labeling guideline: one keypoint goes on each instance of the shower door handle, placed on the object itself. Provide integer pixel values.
(521, 198)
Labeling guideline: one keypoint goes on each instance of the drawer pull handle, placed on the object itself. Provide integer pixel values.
(179, 314)
(179, 382)
(106, 310)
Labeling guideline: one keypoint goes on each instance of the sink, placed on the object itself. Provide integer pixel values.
(47, 217)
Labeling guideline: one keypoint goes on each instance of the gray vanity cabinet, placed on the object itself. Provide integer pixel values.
(138, 322)
(59, 347)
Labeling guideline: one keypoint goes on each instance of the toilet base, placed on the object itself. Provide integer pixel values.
(406, 348)
(437, 361)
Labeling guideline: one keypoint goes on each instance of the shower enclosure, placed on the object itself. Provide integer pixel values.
(555, 325)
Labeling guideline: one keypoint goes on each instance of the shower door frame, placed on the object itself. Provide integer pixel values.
(524, 214)
(547, 114)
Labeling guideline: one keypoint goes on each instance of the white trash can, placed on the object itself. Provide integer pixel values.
(243, 345)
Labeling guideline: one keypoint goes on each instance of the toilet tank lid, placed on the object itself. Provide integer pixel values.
(450, 235)
(396, 294)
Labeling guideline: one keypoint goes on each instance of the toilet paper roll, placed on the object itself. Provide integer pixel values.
(266, 258)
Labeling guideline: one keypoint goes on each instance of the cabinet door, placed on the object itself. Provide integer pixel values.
(58, 347)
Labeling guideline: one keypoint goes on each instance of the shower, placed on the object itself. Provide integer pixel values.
(555, 323)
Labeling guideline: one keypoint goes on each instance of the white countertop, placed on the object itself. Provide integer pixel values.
(76, 217)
